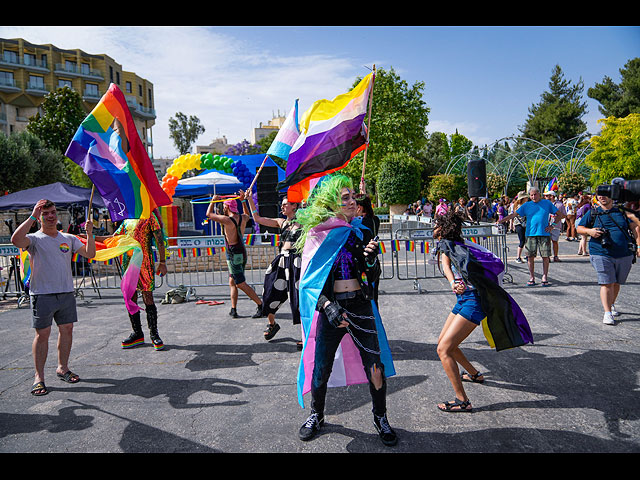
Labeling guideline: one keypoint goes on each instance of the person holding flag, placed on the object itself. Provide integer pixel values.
(340, 320)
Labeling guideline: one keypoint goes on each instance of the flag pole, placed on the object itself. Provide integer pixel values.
(364, 160)
(90, 212)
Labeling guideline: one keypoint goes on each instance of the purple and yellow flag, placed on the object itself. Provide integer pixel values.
(108, 148)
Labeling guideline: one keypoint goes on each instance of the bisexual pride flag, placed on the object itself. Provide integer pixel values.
(108, 148)
(332, 132)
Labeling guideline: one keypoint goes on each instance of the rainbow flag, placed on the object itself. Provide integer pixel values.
(210, 251)
(251, 239)
(169, 217)
(275, 239)
(383, 249)
(25, 267)
(332, 132)
(395, 245)
(552, 185)
(424, 248)
(108, 148)
(411, 246)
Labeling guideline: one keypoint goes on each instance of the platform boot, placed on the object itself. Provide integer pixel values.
(137, 337)
(152, 321)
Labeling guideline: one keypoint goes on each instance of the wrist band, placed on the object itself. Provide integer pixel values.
(33, 218)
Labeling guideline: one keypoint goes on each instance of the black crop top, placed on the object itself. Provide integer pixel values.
(288, 234)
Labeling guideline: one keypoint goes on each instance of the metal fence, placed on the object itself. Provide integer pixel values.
(406, 253)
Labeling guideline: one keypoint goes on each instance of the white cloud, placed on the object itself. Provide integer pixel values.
(228, 84)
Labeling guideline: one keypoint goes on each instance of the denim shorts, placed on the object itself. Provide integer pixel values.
(468, 306)
(60, 307)
(611, 270)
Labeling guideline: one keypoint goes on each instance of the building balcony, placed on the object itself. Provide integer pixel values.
(61, 69)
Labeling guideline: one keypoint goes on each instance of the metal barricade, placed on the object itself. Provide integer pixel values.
(201, 261)
(413, 248)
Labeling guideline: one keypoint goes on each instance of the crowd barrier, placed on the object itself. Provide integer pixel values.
(406, 253)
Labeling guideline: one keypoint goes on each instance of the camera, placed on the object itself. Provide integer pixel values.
(621, 190)
(605, 238)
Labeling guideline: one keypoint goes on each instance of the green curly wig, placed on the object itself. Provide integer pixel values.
(323, 203)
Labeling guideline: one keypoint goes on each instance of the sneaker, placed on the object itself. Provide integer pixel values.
(519, 260)
(614, 312)
(311, 427)
(608, 319)
(233, 313)
(386, 433)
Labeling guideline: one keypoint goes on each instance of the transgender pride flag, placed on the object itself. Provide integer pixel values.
(286, 137)
(109, 150)
(332, 132)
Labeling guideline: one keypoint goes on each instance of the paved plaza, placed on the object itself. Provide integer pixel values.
(219, 387)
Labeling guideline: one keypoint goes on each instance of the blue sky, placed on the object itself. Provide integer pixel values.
(478, 80)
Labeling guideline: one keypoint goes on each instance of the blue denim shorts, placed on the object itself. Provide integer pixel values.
(468, 306)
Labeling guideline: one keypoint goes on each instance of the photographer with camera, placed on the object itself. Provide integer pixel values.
(612, 245)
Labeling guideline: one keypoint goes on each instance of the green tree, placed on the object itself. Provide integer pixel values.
(26, 162)
(399, 179)
(184, 131)
(616, 151)
(62, 115)
(399, 117)
(449, 186)
(619, 100)
(558, 116)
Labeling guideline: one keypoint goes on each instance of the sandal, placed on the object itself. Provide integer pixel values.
(467, 377)
(546, 284)
(531, 283)
(456, 406)
(270, 332)
(69, 377)
(39, 389)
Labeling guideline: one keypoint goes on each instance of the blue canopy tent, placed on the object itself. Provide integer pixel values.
(194, 189)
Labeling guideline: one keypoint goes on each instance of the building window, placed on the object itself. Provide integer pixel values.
(6, 78)
(43, 59)
(29, 59)
(10, 56)
(118, 78)
(91, 90)
(111, 74)
(139, 90)
(64, 83)
(36, 82)
(129, 87)
(70, 66)
(84, 69)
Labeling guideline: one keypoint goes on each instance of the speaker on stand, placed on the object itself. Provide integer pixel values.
(268, 197)
(477, 178)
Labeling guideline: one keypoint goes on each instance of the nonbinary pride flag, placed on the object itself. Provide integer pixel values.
(108, 148)
(332, 132)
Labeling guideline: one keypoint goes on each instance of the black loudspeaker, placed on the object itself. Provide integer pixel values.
(477, 178)
(268, 197)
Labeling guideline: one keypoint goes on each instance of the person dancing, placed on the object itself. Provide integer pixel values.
(283, 274)
(234, 225)
(337, 310)
(474, 274)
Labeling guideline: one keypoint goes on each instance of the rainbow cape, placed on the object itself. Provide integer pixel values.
(332, 132)
(25, 267)
(122, 245)
(108, 148)
(321, 247)
(505, 325)
(552, 185)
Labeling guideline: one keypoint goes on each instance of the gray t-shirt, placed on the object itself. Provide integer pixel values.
(50, 259)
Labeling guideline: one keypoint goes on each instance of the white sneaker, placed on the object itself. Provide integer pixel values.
(608, 319)
(613, 311)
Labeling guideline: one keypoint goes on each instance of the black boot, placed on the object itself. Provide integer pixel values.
(137, 337)
(152, 321)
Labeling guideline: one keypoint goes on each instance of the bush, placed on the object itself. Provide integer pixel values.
(449, 186)
(399, 179)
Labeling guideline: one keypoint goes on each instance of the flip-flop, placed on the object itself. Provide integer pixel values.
(68, 377)
(39, 389)
(215, 302)
(546, 284)
(530, 283)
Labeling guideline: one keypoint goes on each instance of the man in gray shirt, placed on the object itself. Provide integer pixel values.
(51, 286)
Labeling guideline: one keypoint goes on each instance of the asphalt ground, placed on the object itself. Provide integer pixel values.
(219, 387)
